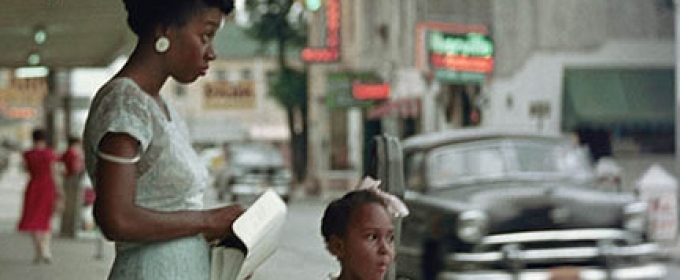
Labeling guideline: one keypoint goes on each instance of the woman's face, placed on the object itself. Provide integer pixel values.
(368, 248)
(191, 47)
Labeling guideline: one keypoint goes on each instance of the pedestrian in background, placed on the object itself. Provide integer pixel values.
(148, 179)
(358, 230)
(74, 166)
(41, 196)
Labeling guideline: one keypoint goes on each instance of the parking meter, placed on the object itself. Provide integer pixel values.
(389, 170)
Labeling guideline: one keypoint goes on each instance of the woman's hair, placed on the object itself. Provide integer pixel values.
(145, 15)
(38, 134)
(338, 213)
(73, 140)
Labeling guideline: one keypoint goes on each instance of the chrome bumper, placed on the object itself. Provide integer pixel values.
(622, 255)
(647, 271)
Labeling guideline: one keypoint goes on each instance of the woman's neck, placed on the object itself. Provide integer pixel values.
(145, 67)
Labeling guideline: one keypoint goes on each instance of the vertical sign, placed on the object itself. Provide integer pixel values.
(331, 52)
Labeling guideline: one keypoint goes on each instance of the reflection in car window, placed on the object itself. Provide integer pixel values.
(495, 159)
(413, 173)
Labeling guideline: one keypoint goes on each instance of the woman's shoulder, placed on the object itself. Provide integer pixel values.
(120, 87)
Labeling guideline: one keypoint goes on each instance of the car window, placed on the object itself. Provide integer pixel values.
(466, 162)
(413, 173)
(505, 158)
(254, 155)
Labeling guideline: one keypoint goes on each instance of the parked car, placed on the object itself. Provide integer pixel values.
(250, 169)
(492, 204)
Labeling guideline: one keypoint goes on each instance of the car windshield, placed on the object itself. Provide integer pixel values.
(505, 159)
(255, 156)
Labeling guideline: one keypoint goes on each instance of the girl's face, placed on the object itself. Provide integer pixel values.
(368, 249)
(191, 47)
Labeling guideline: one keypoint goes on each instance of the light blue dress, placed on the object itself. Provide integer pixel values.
(170, 178)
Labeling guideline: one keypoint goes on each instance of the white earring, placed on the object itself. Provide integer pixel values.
(162, 44)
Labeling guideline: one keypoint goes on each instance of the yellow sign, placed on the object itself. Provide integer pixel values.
(223, 95)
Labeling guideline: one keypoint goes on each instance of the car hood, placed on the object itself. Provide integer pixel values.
(526, 206)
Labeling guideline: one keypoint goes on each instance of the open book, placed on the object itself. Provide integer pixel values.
(257, 231)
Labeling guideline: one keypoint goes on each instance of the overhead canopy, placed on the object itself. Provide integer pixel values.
(78, 33)
(618, 98)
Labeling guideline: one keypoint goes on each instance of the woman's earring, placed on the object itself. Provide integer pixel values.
(162, 44)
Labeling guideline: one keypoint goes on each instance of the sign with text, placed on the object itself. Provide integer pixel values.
(460, 54)
(224, 95)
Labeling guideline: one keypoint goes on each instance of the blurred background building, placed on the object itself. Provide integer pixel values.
(602, 70)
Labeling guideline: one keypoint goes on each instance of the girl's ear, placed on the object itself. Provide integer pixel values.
(336, 246)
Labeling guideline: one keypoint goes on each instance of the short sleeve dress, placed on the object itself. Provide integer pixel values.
(40, 195)
(170, 177)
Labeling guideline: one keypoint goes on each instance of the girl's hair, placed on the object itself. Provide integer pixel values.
(145, 15)
(337, 214)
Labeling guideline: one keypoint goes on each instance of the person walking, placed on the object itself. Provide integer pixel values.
(74, 166)
(41, 196)
(148, 179)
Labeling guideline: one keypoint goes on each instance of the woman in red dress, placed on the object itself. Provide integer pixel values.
(40, 198)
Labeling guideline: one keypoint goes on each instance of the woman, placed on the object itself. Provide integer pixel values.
(148, 180)
(40, 199)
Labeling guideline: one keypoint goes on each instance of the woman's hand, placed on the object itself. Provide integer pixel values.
(219, 221)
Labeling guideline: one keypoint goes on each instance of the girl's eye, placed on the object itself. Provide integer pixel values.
(371, 236)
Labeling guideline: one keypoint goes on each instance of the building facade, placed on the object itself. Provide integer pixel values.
(602, 70)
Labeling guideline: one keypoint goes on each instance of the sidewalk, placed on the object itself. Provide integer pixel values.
(72, 258)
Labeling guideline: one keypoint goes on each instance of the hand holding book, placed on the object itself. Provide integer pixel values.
(256, 238)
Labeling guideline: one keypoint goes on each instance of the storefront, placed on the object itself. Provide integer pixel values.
(608, 105)
(459, 58)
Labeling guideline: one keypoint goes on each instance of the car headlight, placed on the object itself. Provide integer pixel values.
(635, 217)
(472, 226)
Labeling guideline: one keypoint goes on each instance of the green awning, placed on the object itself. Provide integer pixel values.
(618, 98)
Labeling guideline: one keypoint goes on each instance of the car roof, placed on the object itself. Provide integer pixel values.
(430, 140)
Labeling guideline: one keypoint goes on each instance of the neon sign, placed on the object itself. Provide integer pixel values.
(332, 50)
(471, 44)
(470, 52)
(364, 91)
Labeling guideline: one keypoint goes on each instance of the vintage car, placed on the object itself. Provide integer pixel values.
(249, 170)
(492, 204)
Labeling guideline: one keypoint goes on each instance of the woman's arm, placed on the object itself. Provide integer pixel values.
(120, 219)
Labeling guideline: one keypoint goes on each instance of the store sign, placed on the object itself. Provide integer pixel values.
(364, 91)
(331, 52)
(471, 52)
(223, 95)
(339, 92)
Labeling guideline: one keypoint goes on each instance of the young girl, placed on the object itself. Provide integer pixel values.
(359, 232)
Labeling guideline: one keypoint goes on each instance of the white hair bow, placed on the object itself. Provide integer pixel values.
(395, 206)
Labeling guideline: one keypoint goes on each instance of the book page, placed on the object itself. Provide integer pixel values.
(259, 228)
(226, 263)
